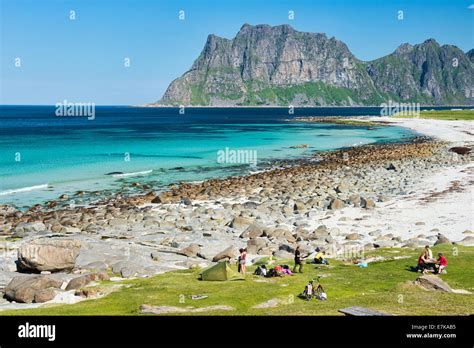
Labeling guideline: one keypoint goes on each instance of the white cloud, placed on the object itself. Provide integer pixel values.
(471, 7)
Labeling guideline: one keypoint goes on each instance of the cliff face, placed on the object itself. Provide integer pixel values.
(265, 65)
(427, 73)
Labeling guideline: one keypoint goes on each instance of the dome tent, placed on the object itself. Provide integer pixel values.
(221, 271)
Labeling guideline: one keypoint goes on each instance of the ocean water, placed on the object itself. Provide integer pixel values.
(43, 156)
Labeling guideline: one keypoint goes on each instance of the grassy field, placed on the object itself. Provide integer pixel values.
(444, 115)
(385, 286)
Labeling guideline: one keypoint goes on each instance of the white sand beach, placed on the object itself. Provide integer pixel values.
(442, 202)
(457, 132)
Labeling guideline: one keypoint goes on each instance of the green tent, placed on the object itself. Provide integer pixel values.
(221, 271)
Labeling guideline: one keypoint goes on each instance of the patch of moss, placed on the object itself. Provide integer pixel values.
(465, 114)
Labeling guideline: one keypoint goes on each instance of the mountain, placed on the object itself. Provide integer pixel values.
(426, 73)
(470, 55)
(277, 65)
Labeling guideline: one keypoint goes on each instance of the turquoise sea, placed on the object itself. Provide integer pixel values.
(44, 156)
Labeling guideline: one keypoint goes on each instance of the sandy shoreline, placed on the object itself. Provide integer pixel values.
(456, 132)
(433, 202)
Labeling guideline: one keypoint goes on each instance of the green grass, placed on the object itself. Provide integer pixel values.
(197, 96)
(444, 115)
(383, 286)
(313, 90)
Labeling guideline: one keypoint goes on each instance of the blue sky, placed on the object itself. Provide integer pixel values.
(83, 60)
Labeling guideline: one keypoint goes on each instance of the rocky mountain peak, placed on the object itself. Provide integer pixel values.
(404, 48)
(431, 41)
(470, 54)
(278, 65)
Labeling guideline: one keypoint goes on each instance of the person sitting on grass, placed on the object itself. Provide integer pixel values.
(285, 269)
(319, 258)
(261, 271)
(422, 262)
(428, 261)
(274, 272)
(308, 290)
(441, 264)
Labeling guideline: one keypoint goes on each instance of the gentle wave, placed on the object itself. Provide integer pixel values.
(148, 156)
(24, 189)
(132, 174)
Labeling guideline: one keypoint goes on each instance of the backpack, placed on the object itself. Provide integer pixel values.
(322, 296)
(258, 271)
(273, 273)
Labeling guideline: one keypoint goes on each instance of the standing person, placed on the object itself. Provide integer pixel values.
(243, 260)
(298, 260)
(238, 260)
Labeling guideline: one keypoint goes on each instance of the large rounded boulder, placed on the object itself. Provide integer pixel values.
(49, 254)
(28, 289)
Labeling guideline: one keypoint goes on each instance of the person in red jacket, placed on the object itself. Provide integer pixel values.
(441, 263)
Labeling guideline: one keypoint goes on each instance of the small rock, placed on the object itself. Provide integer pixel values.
(342, 187)
(460, 150)
(467, 241)
(83, 280)
(253, 231)
(336, 203)
(95, 266)
(442, 240)
(353, 236)
(382, 198)
(391, 166)
(228, 253)
(45, 295)
(240, 222)
(367, 203)
(355, 200)
(186, 201)
(299, 206)
(190, 251)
